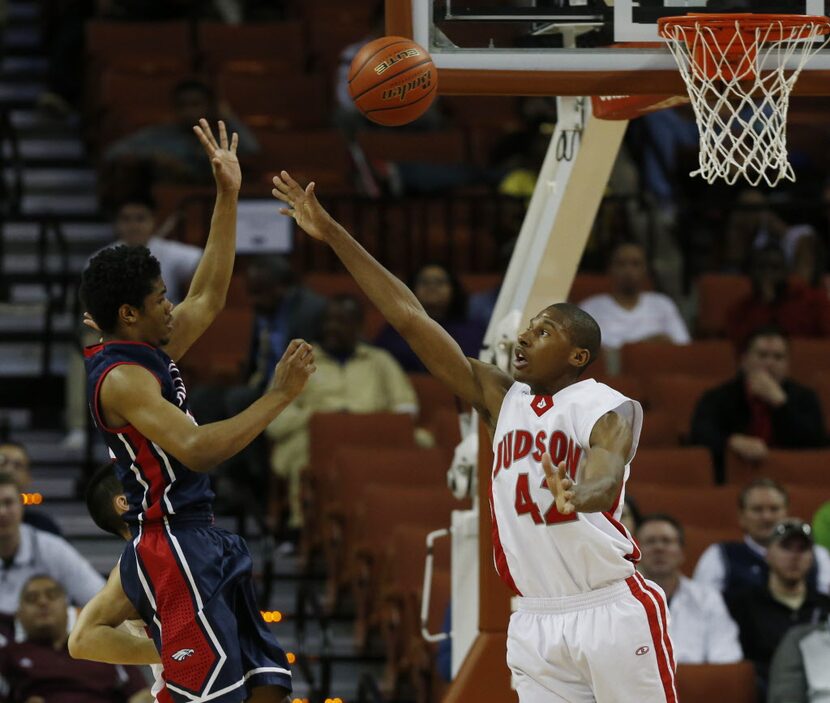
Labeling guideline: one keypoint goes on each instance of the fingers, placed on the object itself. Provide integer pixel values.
(547, 465)
(234, 142)
(290, 182)
(223, 135)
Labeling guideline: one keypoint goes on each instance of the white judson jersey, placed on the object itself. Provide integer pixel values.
(137, 629)
(540, 553)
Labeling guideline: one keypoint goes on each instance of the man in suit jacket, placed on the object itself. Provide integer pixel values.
(760, 408)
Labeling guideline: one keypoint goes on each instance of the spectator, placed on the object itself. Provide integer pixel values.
(172, 148)
(799, 671)
(351, 377)
(732, 567)
(26, 551)
(285, 310)
(39, 667)
(629, 313)
(15, 462)
(765, 613)
(630, 517)
(445, 301)
(776, 299)
(700, 627)
(760, 408)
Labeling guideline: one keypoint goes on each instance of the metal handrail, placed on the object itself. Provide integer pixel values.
(427, 589)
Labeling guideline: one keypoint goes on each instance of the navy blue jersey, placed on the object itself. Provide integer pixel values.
(156, 484)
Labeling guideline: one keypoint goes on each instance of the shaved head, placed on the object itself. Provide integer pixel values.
(583, 329)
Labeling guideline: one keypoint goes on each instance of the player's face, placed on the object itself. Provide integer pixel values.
(769, 354)
(764, 508)
(135, 224)
(11, 510)
(42, 610)
(790, 559)
(628, 269)
(661, 549)
(156, 318)
(544, 351)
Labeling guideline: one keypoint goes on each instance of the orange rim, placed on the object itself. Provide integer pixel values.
(743, 22)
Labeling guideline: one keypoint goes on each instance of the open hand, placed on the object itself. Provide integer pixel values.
(303, 205)
(226, 170)
(294, 369)
(560, 485)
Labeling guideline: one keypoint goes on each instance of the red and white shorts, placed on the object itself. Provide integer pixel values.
(607, 646)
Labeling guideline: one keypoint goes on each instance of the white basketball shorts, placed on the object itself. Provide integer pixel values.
(607, 646)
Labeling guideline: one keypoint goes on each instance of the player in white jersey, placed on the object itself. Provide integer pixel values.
(588, 627)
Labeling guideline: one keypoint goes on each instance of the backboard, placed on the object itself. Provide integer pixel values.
(568, 47)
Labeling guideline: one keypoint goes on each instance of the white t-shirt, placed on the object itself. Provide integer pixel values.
(538, 552)
(653, 314)
(701, 629)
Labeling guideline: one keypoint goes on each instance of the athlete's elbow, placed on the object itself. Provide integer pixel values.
(77, 643)
(194, 456)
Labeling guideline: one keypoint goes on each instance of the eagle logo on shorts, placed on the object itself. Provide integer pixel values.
(182, 654)
(641, 651)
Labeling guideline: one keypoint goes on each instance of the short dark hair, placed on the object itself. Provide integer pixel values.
(13, 443)
(278, 267)
(117, 276)
(761, 483)
(40, 577)
(102, 489)
(764, 331)
(139, 198)
(192, 85)
(620, 245)
(584, 330)
(664, 517)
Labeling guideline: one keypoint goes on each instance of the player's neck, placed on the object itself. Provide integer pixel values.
(553, 387)
(669, 582)
(123, 335)
(626, 300)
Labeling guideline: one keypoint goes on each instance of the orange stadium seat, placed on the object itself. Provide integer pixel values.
(320, 155)
(587, 284)
(712, 507)
(659, 430)
(445, 427)
(806, 500)
(699, 538)
(118, 43)
(713, 358)
(805, 467)
(432, 397)
(681, 466)
(809, 357)
(124, 88)
(219, 355)
(705, 683)
(445, 146)
(717, 293)
(677, 395)
(221, 43)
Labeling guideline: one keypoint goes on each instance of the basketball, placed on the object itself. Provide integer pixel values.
(393, 81)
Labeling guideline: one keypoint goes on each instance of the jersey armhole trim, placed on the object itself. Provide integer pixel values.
(97, 391)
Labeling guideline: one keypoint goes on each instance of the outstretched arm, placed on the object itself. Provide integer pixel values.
(482, 385)
(96, 636)
(130, 394)
(603, 471)
(209, 287)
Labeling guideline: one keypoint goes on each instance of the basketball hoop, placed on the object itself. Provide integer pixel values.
(739, 70)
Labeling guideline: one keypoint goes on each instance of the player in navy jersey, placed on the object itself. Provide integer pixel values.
(189, 581)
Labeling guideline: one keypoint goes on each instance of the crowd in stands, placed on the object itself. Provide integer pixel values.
(737, 363)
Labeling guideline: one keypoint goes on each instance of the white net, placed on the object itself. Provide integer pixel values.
(740, 71)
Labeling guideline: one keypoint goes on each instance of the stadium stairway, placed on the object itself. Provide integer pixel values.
(49, 225)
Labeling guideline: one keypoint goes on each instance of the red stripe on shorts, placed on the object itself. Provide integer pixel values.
(661, 602)
(657, 637)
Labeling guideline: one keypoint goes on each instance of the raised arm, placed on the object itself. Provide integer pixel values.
(96, 636)
(482, 385)
(602, 474)
(131, 395)
(209, 287)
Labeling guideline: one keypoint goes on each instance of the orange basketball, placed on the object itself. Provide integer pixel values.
(393, 81)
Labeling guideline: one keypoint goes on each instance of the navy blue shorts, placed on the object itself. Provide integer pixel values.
(191, 583)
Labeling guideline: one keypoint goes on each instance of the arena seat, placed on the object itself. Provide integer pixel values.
(705, 683)
(712, 358)
(711, 507)
(220, 354)
(801, 467)
(698, 540)
(220, 43)
(445, 427)
(677, 395)
(123, 43)
(320, 155)
(806, 500)
(809, 357)
(432, 397)
(440, 147)
(629, 386)
(587, 284)
(480, 282)
(659, 430)
(680, 466)
(717, 293)
(821, 385)
(122, 89)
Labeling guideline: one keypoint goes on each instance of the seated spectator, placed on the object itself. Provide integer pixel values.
(39, 668)
(732, 567)
(629, 313)
(15, 462)
(760, 408)
(799, 671)
(765, 613)
(351, 377)
(700, 627)
(445, 301)
(285, 310)
(26, 551)
(798, 309)
(173, 148)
